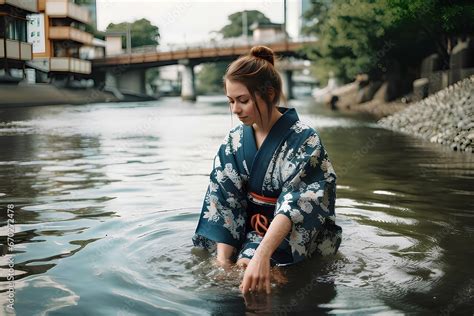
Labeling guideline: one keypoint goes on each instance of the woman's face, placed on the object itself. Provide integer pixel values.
(242, 105)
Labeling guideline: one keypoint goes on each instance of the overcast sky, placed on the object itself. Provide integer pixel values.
(181, 21)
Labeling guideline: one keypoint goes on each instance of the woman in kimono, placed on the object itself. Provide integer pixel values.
(272, 190)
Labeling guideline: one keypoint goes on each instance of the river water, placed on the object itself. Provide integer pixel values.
(106, 197)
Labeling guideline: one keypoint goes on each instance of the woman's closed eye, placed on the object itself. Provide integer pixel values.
(240, 101)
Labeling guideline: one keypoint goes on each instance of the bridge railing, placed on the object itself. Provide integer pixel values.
(230, 42)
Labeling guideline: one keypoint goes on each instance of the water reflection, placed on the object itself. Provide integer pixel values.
(107, 197)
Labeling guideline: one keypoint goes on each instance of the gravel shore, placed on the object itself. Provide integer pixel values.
(446, 117)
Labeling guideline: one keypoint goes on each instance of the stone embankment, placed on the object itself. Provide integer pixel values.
(446, 117)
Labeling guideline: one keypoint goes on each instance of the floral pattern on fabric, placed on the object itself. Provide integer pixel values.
(303, 177)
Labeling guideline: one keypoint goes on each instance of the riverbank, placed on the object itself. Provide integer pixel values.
(371, 99)
(378, 108)
(446, 117)
(47, 94)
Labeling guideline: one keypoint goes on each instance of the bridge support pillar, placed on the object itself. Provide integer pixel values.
(111, 84)
(131, 81)
(287, 83)
(188, 91)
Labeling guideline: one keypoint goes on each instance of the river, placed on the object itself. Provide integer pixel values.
(105, 199)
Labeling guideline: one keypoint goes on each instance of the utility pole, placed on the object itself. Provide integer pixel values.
(284, 19)
(129, 39)
(244, 25)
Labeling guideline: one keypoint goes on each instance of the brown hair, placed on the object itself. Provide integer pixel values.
(256, 71)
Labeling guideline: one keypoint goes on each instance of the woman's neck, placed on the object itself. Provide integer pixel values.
(276, 114)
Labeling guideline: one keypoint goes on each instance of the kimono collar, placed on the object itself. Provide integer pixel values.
(261, 158)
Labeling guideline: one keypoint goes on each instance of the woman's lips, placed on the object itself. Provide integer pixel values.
(242, 117)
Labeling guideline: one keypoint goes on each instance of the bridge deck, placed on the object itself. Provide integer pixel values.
(195, 55)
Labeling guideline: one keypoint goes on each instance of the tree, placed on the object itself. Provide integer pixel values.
(209, 79)
(441, 22)
(234, 28)
(142, 32)
(367, 36)
(350, 35)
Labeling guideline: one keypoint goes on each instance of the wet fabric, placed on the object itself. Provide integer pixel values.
(292, 167)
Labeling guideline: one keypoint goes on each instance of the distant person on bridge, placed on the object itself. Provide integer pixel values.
(271, 196)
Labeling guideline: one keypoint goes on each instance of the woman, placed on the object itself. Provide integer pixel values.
(272, 189)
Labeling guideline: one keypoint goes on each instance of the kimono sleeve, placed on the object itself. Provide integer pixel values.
(308, 196)
(223, 213)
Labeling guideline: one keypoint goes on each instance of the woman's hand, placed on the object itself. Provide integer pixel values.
(257, 274)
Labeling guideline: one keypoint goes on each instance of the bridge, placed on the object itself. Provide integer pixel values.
(126, 72)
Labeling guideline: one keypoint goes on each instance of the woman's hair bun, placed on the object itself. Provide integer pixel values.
(264, 53)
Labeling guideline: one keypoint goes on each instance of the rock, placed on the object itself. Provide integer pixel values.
(445, 117)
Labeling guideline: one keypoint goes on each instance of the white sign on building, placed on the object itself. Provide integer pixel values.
(36, 33)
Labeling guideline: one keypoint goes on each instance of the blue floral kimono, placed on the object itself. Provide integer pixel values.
(289, 174)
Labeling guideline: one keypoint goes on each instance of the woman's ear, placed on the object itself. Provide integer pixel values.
(271, 94)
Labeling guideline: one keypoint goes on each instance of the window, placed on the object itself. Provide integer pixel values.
(10, 29)
(21, 30)
(2, 26)
(15, 29)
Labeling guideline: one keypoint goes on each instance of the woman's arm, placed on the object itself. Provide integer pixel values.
(257, 274)
(277, 231)
(224, 253)
(223, 210)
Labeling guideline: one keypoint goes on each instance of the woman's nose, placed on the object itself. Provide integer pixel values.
(235, 108)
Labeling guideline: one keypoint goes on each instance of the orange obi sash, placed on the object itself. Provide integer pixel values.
(259, 222)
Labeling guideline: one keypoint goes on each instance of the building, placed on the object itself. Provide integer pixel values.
(91, 6)
(96, 50)
(267, 32)
(295, 17)
(113, 44)
(58, 32)
(15, 50)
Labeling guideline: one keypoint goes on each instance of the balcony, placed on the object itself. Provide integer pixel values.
(70, 33)
(68, 64)
(27, 5)
(15, 50)
(66, 9)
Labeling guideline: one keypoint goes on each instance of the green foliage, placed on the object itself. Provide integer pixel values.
(209, 79)
(89, 28)
(234, 28)
(368, 36)
(142, 31)
(79, 2)
(446, 17)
